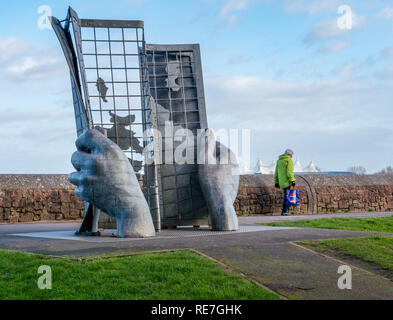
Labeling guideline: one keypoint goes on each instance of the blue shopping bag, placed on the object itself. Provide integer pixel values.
(292, 197)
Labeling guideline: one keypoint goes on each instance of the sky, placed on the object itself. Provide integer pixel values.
(286, 70)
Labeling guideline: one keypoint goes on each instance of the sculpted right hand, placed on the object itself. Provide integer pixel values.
(105, 178)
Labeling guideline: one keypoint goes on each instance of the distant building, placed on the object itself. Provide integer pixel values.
(311, 168)
(261, 168)
(298, 167)
(264, 169)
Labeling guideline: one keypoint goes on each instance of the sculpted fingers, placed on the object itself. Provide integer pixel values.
(82, 193)
(84, 183)
(84, 161)
(80, 178)
(76, 178)
(91, 141)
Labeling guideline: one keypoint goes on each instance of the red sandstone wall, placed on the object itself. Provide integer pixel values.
(354, 198)
(318, 194)
(19, 205)
(26, 198)
(266, 200)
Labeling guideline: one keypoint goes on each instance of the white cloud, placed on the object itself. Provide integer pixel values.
(234, 5)
(26, 65)
(11, 47)
(386, 13)
(322, 31)
(33, 68)
(256, 95)
(22, 61)
(229, 11)
(329, 29)
(311, 7)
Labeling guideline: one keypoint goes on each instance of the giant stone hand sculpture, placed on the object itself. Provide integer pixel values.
(105, 178)
(219, 180)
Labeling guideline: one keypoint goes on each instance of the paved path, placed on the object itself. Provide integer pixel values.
(249, 220)
(266, 219)
(38, 227)
(269, 257)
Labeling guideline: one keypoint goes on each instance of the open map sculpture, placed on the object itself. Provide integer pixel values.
(126, 95)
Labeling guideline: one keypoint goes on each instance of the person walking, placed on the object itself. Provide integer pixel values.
(283, 176)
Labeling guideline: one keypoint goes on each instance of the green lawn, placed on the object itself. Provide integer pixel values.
(384, 224)
(171, 275)
(377, 250)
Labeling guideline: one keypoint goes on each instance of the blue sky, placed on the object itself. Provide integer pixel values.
(282, 69)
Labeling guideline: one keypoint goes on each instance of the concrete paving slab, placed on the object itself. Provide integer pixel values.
(38, 227)
(109, 235)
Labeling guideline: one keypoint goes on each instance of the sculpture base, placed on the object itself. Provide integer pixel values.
(88, 234)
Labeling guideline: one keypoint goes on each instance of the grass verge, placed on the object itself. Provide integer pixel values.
(383, 224)
(376, 250)
(166, 276)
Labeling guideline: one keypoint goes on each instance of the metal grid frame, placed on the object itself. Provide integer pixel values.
(125, 97)
(125, 115)
(175, 79)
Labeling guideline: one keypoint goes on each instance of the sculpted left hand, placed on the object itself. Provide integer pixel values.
(219, 179)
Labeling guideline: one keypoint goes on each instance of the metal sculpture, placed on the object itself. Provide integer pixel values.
(122, 89)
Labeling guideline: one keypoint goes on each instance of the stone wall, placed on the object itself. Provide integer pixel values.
(319, 193)
(26, 198)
